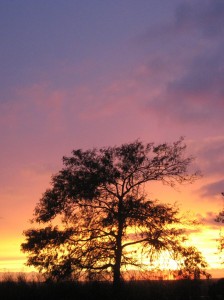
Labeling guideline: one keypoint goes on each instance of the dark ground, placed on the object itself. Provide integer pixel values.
(138, 290)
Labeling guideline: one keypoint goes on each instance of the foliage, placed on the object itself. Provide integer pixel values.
(105, 213)
(192, 264)
(220, 219)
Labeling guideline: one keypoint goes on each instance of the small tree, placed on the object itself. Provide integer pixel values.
(220, 219)
(192, 264)
(105, 212)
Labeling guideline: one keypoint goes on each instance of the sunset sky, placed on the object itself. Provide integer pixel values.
(92, 73)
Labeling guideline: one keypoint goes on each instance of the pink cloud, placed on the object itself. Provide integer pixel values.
(187, 57)
(208, 219)
(33, 104)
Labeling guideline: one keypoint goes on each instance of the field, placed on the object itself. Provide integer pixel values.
(137, 290)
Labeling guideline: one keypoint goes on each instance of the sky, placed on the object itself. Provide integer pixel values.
(82, 74)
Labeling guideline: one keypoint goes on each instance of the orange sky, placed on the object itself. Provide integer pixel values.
(204, 237)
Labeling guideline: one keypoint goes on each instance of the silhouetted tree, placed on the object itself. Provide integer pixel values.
(105, 213)
(220, 219)
(192, 264)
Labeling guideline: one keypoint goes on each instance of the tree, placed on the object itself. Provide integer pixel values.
(220, 219)
(105, 213)
(192, 264)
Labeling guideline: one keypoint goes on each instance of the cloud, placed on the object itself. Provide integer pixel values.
(30, 126)
(206, 16)
(212, 189)
(193, 231)
(208, 219)
(210, 155)
(190, 52)
(210, 160)
(12, 258)
(37, 107)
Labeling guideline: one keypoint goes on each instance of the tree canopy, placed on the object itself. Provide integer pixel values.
(192, 264)
(107, 222)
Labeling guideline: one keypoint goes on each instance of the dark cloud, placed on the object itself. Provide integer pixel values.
(191, 49)
(210, 156)
(212, 189)
(200, 91)
(210, 160)
(206, 16)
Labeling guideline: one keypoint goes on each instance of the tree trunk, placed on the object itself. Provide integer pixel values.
(118, 250)
(117, 267)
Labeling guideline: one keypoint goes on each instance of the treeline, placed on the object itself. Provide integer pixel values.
(153, 290)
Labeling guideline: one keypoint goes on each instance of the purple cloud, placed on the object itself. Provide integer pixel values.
(210, 156)
(212, 189)
(205, 16)
(191, 50)
(210, 160)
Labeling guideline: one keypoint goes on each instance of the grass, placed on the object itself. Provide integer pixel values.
(22, 289)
